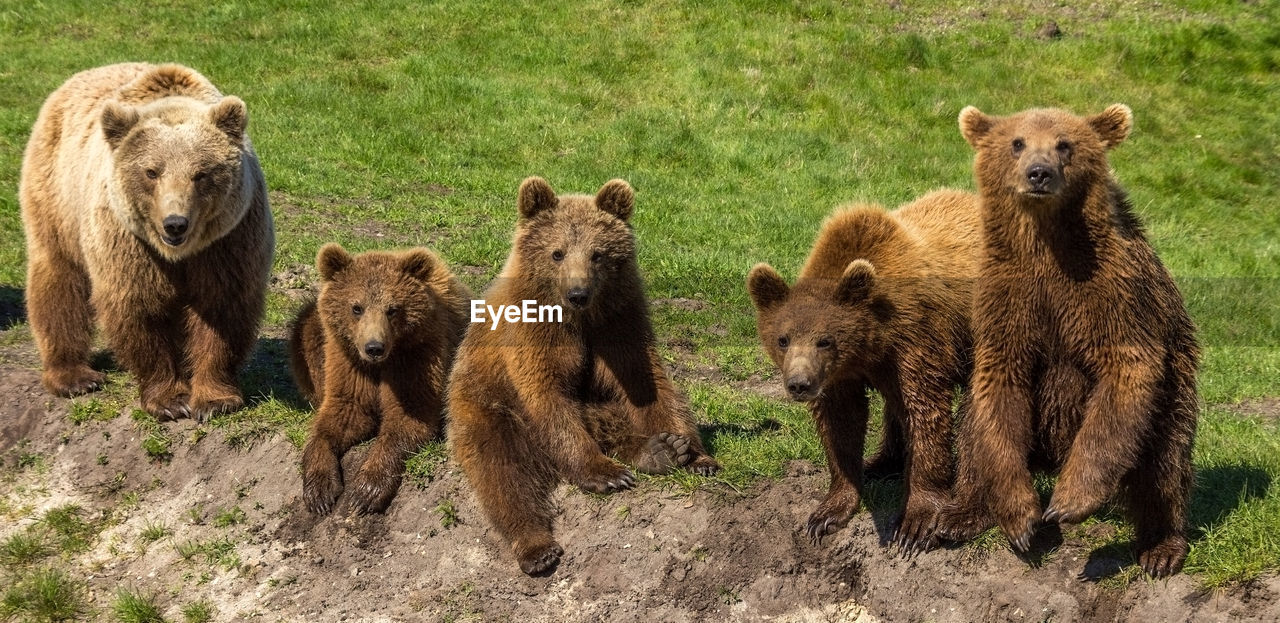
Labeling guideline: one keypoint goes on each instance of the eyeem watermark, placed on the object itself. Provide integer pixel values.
(527, 311)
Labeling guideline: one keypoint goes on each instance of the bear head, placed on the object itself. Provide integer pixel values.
(821, 329)
(1043, 157)
(178, 168)
(378, 301)
(575, 248)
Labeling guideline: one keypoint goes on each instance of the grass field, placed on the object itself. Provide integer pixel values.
(740, 124)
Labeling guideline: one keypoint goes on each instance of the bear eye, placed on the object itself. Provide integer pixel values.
(557, 255)
(824, 342)
(392, 311)
(596, 257)
(1019, 145)
(199, 177)
(1064, 147)
(152, 174)
(783, 342)
(357, 309)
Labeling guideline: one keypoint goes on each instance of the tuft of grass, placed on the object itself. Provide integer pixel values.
(92, 409)
(71, 532)
(154, 531)
(43, 595)
(423, 466)
(230, 517)
(135, 607)
(198, 612)
(448, 513)
(156, 445)
(24, 548)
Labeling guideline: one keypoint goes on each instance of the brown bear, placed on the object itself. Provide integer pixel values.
(531, 403)
(144, 207)
(882, 303)
(1085, 359)
(374, 352)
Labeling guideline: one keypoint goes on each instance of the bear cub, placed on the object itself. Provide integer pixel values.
(145, 210)
(882, 303)
(1085, 358)
(531, 403)
(374, 352)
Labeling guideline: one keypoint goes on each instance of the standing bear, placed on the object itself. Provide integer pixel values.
(882, 303)
(374, 352)
(1085, 359)
(531, 403)
(144, 206)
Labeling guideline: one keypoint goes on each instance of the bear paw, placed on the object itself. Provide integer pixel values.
(1020, 527)
(372, 493)
(832, 515)
(704, 465)
(606, 477)
(958, 523)
(320, 491)
(1165, 558)
(915, 526)
(167, 408)
(204, 409)
(541, 559)
(1066, 507)
(73, 381)
(664, 452)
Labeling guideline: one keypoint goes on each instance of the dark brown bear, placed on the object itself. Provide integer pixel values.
(1085, 360)
(882, 303)
(374, 353)
(532, 403)
(145, 210)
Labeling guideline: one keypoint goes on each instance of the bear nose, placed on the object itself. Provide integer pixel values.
(798, 386)
(1039, 176)
(374, 349)
(175, 225)
(578, 296)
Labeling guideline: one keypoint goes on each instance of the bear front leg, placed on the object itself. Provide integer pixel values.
(403, 430)
(928, 427)
(840, 414)
(339, 425)
(61, 320)
(512, 478)
(1117, 419)
(556, 420)
(1000, 447)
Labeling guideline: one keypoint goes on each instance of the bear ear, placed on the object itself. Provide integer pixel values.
(766, 286)
(418, 263)
(331, 260)
(1112, 124)
(117, 120)
(617, 198)
(231, 116)
(974, 125)
(535, 196)
(857, 282)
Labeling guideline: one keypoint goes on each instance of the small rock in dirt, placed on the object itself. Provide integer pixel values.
(318, 560)
(355, 570)
(1049, 30)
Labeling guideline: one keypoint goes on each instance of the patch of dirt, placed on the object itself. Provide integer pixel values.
(645, 554)
(681, 303)
(1267, 409)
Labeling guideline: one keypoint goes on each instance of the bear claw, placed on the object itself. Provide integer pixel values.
(542, 561)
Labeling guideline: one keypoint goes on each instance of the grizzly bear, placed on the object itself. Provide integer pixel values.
(531, 403)
(374, 352)
(882, 303)
(144, 207)
(1085, 359)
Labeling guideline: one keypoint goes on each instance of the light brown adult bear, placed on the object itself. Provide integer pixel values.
(144, 206)
(882, 303)
(531, 403)
(1085, 358)
(374, 352)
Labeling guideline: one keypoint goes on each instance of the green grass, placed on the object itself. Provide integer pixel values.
(43, 595)
(198, 612)
(740, 124)
(134, 607)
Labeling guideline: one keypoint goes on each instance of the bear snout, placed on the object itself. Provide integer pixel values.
(175, 229)
(374, 350)
(801, 387)
(578, 297)
(1040, 178)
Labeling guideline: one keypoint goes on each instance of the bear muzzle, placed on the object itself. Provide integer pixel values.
(175, 229)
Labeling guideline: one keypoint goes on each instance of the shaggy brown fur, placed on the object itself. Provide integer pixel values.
(374, 352)
(532, 403)
(1085, 357)
(144, 206)
(883, 303)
